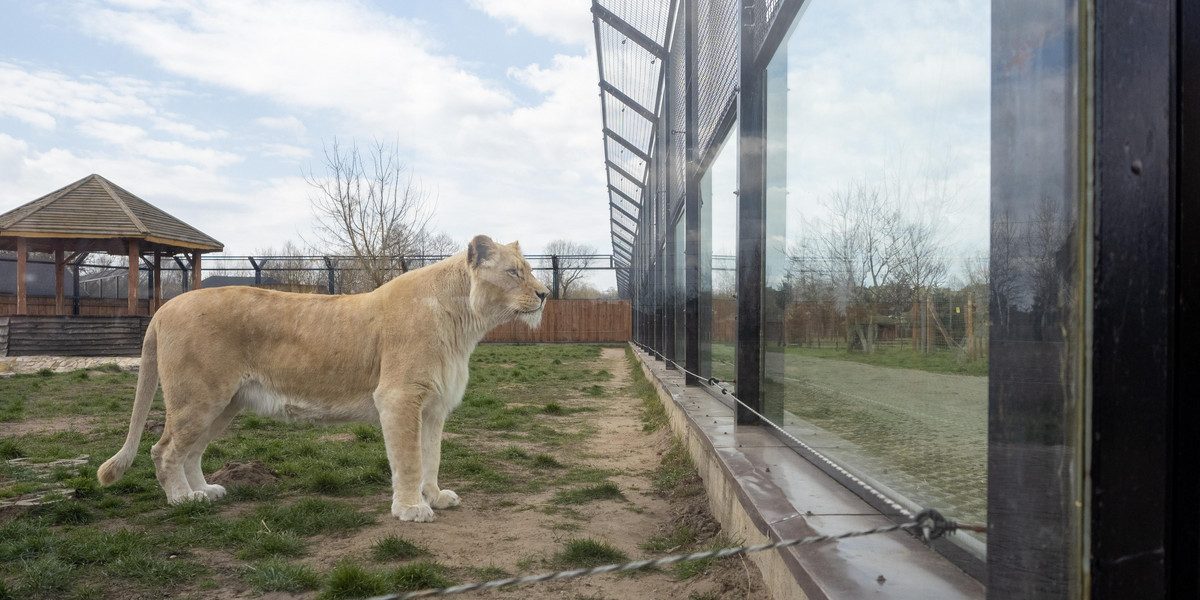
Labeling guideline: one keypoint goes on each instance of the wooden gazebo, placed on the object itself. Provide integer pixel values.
(95, 215)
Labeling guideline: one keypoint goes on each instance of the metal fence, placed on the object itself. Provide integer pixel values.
(321, 274)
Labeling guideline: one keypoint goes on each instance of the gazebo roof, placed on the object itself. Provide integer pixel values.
(97, 209)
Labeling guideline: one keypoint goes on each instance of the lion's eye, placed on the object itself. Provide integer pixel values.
(514, 273)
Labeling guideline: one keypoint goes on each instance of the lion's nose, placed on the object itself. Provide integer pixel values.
(542, 295)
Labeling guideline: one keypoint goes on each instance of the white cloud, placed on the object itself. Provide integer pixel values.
(532, 172)
(284, 151)
(42, 98)
(287, 124)
(187, 131)
(313, 54)
(486, 156)
(567, 21)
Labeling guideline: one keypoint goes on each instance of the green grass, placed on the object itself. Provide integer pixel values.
(393, 547)
(419, 576)
(654, 416)
(349, 580)
(279, 576)
(283, 544)
(675, 475)
(588, 552)
(692, 568)
(940, 361)
(602, 491)
(524, 397)
(681, 536)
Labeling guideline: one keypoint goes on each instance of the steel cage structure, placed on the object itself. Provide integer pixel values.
(679, 78)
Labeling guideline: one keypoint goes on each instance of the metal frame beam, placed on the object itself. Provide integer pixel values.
(629, 31)
(627, 144)
(622, 211)
(622, 226)
(615, 92)
(623, 173)
(635, 203)
(629, 243)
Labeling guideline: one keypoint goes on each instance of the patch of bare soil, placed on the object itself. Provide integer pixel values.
(47, 425)
(251, 473)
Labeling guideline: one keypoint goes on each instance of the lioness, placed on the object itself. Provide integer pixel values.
(396, 356)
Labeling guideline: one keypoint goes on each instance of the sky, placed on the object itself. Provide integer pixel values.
(214, 111)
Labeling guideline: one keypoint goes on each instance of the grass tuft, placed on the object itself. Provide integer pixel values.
(367, 433)
(273, 545)
(680, 537)
(10, 449)
(654, 416)
(554, 408)
(545, 461)
(602, 491)
(67, 512)
(394, 547)
(348, 580)
(419, 576)
(675, 476)
(587, 553)
(279, 576)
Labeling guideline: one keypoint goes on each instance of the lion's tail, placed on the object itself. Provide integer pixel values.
(114, 467)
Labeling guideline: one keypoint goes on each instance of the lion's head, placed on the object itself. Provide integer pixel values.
(502, 283)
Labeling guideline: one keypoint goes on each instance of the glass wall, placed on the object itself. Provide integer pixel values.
(877, 201)
(718, 198)
(916, 215)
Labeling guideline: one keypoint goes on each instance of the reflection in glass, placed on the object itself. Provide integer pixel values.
(877, 191)
(718, 197)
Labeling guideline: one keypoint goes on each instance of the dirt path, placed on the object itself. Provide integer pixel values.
(519, 534)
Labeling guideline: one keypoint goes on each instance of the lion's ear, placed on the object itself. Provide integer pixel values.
(516, 246)
(480, 248)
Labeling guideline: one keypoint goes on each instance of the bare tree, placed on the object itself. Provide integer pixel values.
(862, 241)
(571, 266)
(369, 205)
(291, 265)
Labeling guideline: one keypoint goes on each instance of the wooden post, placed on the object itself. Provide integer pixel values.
(156, 297)
(916, 342)
(134, 257)
(927, 330)
(22, 257)
(196, 270)
(970, 326)
(60, 263)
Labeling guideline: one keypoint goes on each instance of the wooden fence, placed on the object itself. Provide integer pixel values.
(583, 321)
(579, 321)
(68, 335)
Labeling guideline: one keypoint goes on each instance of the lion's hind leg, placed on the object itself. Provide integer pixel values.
(189, 421)
(192, 469)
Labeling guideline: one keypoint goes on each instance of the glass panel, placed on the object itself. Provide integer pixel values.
(1037, 285)
(680, 241)
(877, 190)
(718, 197)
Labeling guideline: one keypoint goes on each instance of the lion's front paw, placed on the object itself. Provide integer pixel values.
(214, 491)
(446, 499)
(418, 513)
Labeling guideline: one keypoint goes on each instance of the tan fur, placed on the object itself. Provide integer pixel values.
(396, 356)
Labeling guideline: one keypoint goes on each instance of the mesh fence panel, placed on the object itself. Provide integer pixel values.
(677, 116)
(716, 65)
